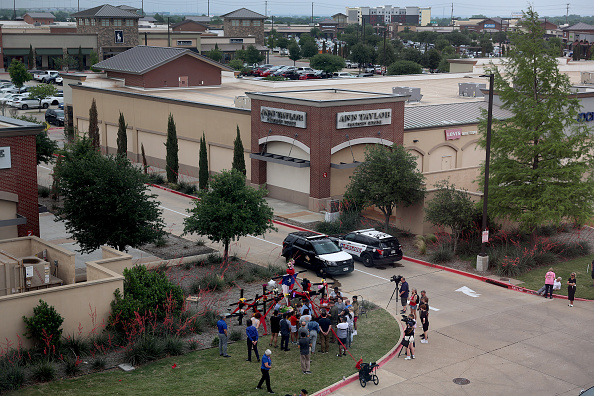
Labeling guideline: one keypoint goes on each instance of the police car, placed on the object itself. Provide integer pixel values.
(317, 252)
(371, 247)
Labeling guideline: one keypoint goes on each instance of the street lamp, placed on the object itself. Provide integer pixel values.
(482, 260)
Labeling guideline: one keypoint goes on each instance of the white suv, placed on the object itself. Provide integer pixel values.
(25, 103)
(44, 74)
(371, 247)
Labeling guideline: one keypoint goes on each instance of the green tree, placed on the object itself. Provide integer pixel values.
(294, 52)
(94, 125)
(236, 64)
(94, 60)
(309, 49)
(404, 67)
(42, 91)
(386, 57)
(171, 158)
(252, 55)
(44, 326)
(44, 146)
(315, 32)
(282, 42)
(368, 184)
(215, 54)
(80, 59)
(229, 210)
(95, 210)
(122, 139)
(67, 62)
(304, 38)
(431, 59)
(327, 62)
(238, 156)
(203, 173)
(18, 73)
(361, 54)
(450, 207)
(542, 156)
(31, 57)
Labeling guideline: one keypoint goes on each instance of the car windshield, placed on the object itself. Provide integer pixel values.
(325, 246)
(389, 243)
(59, 113)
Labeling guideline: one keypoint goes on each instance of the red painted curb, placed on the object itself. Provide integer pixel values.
(172, 191)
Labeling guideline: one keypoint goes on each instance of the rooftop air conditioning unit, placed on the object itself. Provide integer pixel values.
(587, 77)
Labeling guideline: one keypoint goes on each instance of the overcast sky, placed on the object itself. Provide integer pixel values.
(502, 8)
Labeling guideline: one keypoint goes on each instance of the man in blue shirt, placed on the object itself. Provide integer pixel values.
(252, 341)
(265, 368)
(223, 336)
(403, 294)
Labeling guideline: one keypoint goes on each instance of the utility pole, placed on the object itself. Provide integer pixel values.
(14, 10)
(452, 17)
(312, 12)
(266, 8)
(567, 13)
(141, 8)
(168, 34)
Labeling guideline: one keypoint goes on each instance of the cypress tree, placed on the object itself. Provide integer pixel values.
(94, 125)
(122, 136)
(31, 59)
(203, 164)
(171, 159)
(81, 64)
(238, 158)
(144, 163)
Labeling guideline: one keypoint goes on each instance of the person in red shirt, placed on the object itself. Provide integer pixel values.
(293, 319)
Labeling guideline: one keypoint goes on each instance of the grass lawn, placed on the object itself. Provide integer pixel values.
(535, 279)
(205, 373)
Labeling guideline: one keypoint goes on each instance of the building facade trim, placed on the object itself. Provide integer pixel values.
(365, 140)
(284, 139)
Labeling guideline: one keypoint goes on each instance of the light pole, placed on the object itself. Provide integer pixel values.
(482, 260)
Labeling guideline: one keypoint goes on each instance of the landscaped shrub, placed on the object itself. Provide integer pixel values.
(192, 345)
(187, 188)
(144, 291)
(75, 344)
(99, 363)
(443, 254)
(44, 371)
(72, 365)
(210, 282)
(570, 250)
(155, 178)
(173, 346)
(235, 335)
(43, 191)
(145, 349)
(214, 258)
(44, 327)
(12, 376)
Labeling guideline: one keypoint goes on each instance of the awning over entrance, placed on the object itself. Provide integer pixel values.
(85, 51)
(16, 51)
(280, 159)
(49, 51)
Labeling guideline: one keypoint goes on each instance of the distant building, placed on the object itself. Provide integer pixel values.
(385, 15)
(189, 25)
(41, 18)
(116, 28)
(244, 23)
(579, 31)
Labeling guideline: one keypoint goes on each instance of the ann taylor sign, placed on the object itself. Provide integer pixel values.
(355, 119)
(292, 118)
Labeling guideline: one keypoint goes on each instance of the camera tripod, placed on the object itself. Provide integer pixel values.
(394, 292)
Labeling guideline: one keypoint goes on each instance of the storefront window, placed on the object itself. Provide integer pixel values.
(245, 22)
(87, 23)
(129, 22)
(235, 22)
(117, 22)
(105, 22)
(257, 23)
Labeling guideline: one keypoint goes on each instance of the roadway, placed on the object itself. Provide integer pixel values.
(502, 341)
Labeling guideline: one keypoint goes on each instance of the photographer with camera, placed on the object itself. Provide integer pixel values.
(403, 294)
(408, 341)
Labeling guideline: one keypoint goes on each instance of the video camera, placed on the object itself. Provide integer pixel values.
(409, 322)
(396, 278)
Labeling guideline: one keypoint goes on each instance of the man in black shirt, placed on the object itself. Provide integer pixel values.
(403, 294)
(304, 345)
(325, 325)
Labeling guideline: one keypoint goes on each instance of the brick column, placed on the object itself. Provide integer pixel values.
(320, 126)
(1, 54)
(258, 171)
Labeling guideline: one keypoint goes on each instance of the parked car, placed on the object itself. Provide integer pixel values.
(342, 75)
(52, 78)
(371, 247)
(55, 117)
(292, 75)
(309, 76)
(13, 89)
(284, 51)
(9, 97)
(57, 99)
(351, 65)
(269, 71)
(317, 252)
(41, 75)
(301, 70)
(25, 102)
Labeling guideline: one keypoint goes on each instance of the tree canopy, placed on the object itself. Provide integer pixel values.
(42, 91)
(229, 210)
(18, 73)
(106, 200)
(542, 156)
(450, 207)
(405, 67)
(388, 178)
(327, 62)
(294, 52)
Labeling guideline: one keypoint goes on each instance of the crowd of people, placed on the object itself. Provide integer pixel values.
(410, 300)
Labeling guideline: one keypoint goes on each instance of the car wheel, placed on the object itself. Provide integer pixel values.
(24, 107)
(321, 272)
(55, 102)
(45, 105)
(367, 260)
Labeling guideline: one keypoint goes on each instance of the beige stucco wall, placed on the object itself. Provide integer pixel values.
(147, 120)
(8, 210)
(71, 40)
(340, 178)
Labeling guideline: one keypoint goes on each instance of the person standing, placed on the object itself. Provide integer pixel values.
(314, 328)
(285, 331)
(409, 338)
(424, 315)
(355, 305)
(252, 341)
(274, 328)
(334, 318)
(293, 319)
(325, 327)
(549, 281)
(265, 368)
(571, 286)
(341, 334)
(223, 336)
(304, 347)
(413, 302)
(403, 294)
